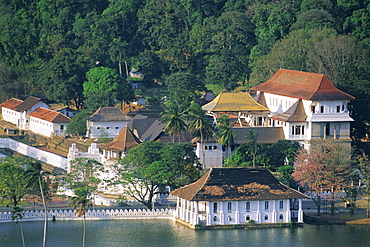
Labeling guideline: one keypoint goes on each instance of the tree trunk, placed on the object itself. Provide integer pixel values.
(22, 234)
(45, 214)
(318, 205)
(332, 204)
(84, 233)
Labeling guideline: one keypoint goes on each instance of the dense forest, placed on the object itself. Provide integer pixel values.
(80, 51)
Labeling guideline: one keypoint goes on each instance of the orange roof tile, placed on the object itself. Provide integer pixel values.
(303, 85)
(49, 115)
(11, 103)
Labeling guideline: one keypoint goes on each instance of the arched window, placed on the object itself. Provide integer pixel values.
(214, 218)
(247, 217)
(247, 206)
(229, 218)
(281, 217)
(229, 206)
(281, 205)
(266, 205)
(215, 207)
(266, 217)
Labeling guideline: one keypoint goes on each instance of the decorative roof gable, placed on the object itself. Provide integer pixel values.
(237, 184)
(295, 113)
(106, 114)
(124, 141)
(11, 103)
(303, 85)
(228, 102)
(49, 115)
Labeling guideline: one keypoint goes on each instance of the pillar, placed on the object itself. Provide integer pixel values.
(300, 212)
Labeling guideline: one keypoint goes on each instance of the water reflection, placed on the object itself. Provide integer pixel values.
(169, 233)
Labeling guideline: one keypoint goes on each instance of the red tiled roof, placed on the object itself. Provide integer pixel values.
(49, 115)
(237, 184)
(11, 103)
(303, 85)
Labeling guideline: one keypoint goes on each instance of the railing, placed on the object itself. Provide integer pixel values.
(93, 214)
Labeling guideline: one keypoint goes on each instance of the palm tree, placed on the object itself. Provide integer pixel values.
(253, 145)
(35, 176)
(226, 134)
(199, 126)
(17, 215)
(81, 202)
(172, 116)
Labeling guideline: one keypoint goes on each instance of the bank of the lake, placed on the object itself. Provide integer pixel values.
(169, 233)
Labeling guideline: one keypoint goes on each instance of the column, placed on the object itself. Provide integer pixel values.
(237, 212)
(222, 220)
(288, 213)
(258, 220)
(273, 220)
(196, 213)
(300, 212)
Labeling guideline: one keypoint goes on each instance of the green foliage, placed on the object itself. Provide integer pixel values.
(78, 126)
(226, 135)
(173, 117)
(14, 183)
(151, 166)
(182, 88)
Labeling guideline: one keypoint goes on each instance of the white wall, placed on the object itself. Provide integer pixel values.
(38, 154)
(95, 129)
(11, 116)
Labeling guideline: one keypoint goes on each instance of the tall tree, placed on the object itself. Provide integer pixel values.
(84, 178)
(173, 116)
(13, 182)
(37, 178)
(253, 145)
(326, 167)
(199, 126)
(182, 88)
(81, 202)
(226, 134)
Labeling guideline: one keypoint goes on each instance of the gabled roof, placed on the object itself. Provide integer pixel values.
(124, 141)
(260, 98)
(49, 115)
(106, 114)
(11, 103)
(237, 184)
(303, 85)
(295, 113)
(238, 102)
(27, 103)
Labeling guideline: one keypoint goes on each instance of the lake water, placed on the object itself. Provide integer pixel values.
(168, 233)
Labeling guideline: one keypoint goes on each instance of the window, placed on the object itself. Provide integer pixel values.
(247, 206)
(215, 207)
(117, 128)
(281, 217)
(61, 127)
(98, 128)
(313, 108)
(229, 218)
(338, 108)
(229, 206)
(214, 218)
(297, 130)
(266, 217)
(281, 204)
(327, 129)
(266, 205)
(107, 128)
(247, 217)
(322, 109)
(215, 147)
